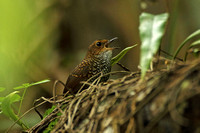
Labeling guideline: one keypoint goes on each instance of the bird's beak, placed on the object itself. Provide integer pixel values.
(111, 40)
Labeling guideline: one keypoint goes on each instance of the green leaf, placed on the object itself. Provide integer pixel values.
(26, 85)
(195, 43)
(7, 109)
(6, 104)
(49, 111)
(54, 122)
(2, 89)
(151, 30)
(196, 50)
(41, 82)
(51, 126)
(118, 57)
(185, 41)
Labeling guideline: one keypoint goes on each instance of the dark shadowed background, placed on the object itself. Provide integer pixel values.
(47, 39)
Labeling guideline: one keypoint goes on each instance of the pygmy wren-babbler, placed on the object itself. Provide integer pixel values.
(97, 60)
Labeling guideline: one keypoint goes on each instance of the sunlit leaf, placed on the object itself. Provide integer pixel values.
(196, 33)
(49, 111)
(196, 52)
(53, 123)
(26, 85)
(18, 87)
(51, 126)
(40, 82)
(195, 43)
(7, 108)
(151, 30)
(6, 104)
(118, 57)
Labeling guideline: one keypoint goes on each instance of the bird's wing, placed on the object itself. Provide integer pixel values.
(80, 73)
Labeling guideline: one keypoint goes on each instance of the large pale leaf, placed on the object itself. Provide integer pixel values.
(151, 30)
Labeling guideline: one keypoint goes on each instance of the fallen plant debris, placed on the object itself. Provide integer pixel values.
(166, 101)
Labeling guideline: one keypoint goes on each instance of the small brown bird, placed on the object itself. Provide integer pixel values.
(97, 59)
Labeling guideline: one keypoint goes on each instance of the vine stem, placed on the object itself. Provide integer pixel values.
(20, 105)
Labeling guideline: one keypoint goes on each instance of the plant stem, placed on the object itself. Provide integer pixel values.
(20, 105)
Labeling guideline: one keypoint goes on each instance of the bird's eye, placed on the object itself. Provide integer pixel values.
(98, 44)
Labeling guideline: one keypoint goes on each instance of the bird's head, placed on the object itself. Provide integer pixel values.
(100, 47)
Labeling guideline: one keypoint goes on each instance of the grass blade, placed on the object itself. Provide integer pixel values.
(185, 41)
(118, 57)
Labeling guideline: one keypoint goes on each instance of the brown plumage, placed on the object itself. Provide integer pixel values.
(97, 59)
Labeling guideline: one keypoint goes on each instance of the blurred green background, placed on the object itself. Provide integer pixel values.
(42, 39)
